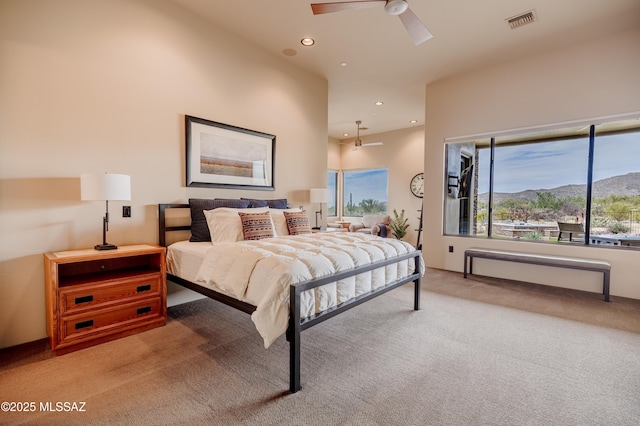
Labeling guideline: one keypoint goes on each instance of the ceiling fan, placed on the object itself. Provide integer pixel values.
(416, 29)
(358, 142)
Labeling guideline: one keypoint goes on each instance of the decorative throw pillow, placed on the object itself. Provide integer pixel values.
(256, 226)
(274, 204)
(297, 223)
(199, 226)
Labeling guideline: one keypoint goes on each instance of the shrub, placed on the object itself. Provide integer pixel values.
(602, 222)
(618, 228)
(533, 236)
(619, 210)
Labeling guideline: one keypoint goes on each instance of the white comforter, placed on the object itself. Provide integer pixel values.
(260, 272)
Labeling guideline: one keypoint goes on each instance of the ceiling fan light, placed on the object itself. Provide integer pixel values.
(396, 7)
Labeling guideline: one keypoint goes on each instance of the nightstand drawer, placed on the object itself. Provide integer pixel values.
(116, 318)
(85, 296)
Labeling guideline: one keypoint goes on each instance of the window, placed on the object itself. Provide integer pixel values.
(332, 186)
(615, 209)
(364, 192)
(523, 186)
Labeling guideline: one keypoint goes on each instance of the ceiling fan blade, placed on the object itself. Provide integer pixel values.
(416, 29)
(320, 8)
(373, 144)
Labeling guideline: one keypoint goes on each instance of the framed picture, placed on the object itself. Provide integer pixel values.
(221, 155)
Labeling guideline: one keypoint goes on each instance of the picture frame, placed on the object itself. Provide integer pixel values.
(226, 156)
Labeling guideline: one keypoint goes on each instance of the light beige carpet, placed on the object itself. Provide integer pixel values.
(479, 352)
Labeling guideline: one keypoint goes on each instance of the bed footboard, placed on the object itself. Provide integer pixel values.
(297, 324)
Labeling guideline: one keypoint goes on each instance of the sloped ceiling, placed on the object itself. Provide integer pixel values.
(383, 64)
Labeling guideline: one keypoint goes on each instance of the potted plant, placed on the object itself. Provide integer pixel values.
(399, 224)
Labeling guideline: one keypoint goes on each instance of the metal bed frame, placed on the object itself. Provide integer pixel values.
(296, 323)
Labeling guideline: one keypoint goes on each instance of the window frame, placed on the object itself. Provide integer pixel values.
(589, 129)
(334, 194)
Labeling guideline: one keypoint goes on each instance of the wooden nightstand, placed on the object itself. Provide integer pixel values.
(96, 296)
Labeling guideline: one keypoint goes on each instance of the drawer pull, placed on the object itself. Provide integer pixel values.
(84, 299)
(144, 310)
(84, 324)
(146, 287)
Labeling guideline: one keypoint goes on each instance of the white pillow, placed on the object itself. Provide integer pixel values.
(279, 221)
(225, 224)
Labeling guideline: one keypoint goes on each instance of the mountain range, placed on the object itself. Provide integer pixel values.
(628, 184)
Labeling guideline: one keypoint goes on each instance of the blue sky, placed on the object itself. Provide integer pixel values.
(365, 184)
(551, 164)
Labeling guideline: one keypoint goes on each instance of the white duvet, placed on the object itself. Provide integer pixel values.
(260, 272)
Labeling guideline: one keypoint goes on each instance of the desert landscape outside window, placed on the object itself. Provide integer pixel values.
(364, 192)
(572, 185)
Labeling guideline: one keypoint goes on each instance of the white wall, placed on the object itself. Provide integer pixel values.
(402, 155)
(334, 161)
(103, 85)
(595, 79)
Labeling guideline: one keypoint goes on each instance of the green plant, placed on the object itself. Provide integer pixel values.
(618, 228)
(536, 236)
(619, 210)
(399, 224)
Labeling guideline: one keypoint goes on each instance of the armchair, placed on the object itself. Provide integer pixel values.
(373, 224)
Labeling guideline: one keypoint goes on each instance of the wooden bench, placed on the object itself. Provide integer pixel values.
(571, 228)
(538, 259)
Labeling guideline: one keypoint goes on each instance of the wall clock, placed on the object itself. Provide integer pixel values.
(417, 185)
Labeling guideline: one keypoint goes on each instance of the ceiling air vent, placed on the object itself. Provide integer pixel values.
(522, 19)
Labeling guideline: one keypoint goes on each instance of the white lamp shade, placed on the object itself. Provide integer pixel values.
(105, 186)
(318, 195)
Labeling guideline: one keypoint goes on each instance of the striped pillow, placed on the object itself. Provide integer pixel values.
(256, 226)
(297, 223)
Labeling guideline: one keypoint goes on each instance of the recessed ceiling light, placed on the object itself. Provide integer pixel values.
(307, 41)
(379, 103)
(413, 121)
(343, 64)
(345, 134)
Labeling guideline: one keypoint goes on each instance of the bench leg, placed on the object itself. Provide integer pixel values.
(605, 285)
(465, 265)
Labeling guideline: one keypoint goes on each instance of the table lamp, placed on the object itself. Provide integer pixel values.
(105, 186)
(318, 195)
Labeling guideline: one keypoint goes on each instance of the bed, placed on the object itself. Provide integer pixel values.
(287, 281)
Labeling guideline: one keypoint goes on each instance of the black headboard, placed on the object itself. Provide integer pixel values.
(162, 228)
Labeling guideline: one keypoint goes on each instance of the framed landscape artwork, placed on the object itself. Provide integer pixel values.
(221, 155)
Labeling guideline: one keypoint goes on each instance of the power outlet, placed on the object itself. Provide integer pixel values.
(450, 249)
(126, 211)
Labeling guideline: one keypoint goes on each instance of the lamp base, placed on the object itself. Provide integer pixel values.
(105, 247)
